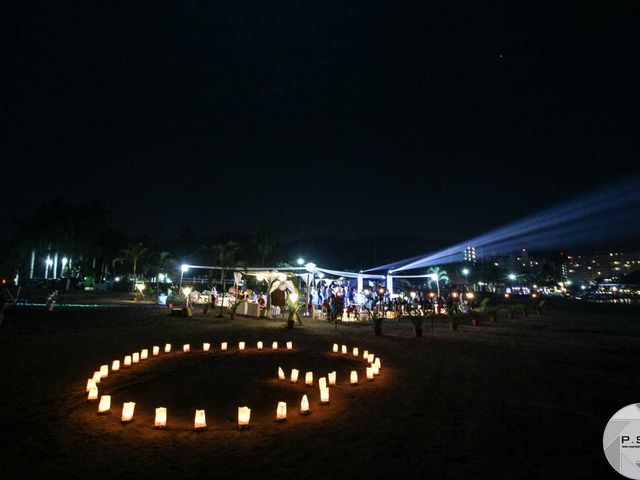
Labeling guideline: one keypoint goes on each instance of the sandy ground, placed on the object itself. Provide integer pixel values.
(521, 398)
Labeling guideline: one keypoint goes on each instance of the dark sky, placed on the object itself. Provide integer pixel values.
(319, 118)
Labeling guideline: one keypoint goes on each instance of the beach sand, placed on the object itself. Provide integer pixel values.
(527, 397)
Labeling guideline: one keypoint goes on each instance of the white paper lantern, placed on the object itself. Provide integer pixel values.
(244, 414)
(200, 421)
(377, 363)
(223, 346)
(105, 404)
(332, 378)
(370, 358)
(93, 393)
(369, 373)
(335, 348)
(90, 383)
(280, 374)
(206, 346)
(304, 405)
(294, 375)
(324, 395)
(322, 382)
(135, 357)
(104, 371)
(127, 411)
(281, 412)
(355, 352)
(115, 365)
(241, 346)
(167, 347)
(259, 345)
(365, 354)
(161, 417)
(97, 377)
(308, 378)
(156, 350)
(274, 345)
(289, 345)
(354, 377)
(186, 348)
(144, 354)
(344, 349)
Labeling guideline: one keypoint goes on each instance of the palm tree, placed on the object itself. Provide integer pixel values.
(265, 242)
(224, 254)
(133, 254)
(437, 275)
(162, 261)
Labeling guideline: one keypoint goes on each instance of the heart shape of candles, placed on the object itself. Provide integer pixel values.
(303, 378)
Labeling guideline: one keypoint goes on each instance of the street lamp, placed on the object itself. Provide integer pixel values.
(48, 262)
(465, 272)
(311, 269)
(300, 261)
(183, 269)
(435, 278)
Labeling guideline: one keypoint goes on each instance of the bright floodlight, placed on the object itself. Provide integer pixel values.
(434, 276)
(465, 271)
(512, 276)
(184, 268)
(300, 261)
(310, 267)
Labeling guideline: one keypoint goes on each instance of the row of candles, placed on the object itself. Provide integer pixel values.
(371, 371)
(136, 357)
(200, 423)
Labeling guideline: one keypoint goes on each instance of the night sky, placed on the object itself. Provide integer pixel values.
(319, 118)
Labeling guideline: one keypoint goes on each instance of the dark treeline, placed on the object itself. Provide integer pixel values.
(86, 236)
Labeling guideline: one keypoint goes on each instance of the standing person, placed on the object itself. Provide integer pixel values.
(333, 310)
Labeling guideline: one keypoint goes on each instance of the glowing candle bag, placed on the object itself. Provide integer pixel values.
(304, 405)
(105, 404)
(244, 414)
(161, 417)
(281, 412)
(127, 411)
(200, 421)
